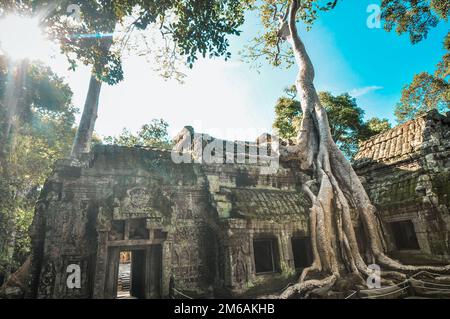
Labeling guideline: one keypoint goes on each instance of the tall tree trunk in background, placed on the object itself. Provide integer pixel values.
(340, 192)
(83, 138)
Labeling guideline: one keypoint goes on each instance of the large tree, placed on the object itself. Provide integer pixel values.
(337, 194)
(347, 124)
(196, 27)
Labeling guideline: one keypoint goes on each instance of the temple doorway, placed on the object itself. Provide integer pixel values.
(137, 272)
(131, 276)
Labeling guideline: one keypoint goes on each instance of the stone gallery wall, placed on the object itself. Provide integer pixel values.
(120, 197)
(406, 172)
(252, 205)
(202, 216)
(200, 224)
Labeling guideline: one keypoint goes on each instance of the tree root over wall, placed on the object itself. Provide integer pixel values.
(336, 256)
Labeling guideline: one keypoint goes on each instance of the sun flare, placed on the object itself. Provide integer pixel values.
(21, 38)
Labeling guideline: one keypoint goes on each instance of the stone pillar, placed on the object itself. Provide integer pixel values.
(100, 266)
(166, 270)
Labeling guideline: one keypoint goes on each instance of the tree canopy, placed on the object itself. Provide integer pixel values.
(427, 91)
(194, 28)
(267, 44)
(41, 134)
(154, 134)
(197, 27)
(416, 18)
(346, 119)
(41, 95)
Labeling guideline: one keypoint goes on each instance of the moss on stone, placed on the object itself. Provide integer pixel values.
(441, 187)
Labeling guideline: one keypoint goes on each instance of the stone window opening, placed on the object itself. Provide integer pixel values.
(301, 251)
(138, 229)
(117, 231)
(265, 255)
(404, 235)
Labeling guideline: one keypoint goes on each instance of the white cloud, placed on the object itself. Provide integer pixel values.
(364, 90)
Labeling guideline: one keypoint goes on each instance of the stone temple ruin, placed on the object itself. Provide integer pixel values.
(208, 229)
(406, 172)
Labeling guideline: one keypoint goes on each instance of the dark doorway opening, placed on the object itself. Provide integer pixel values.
(266, 255)
(138, 274)
(301, 250)
(404, 235)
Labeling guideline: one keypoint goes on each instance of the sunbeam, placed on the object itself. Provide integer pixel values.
(23, 38)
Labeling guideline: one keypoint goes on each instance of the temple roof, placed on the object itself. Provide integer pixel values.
(403, 141)
(266, 203)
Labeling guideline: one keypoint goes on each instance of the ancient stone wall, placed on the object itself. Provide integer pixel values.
(406, 173)
(121, 198)
(197, 222)
(199, 219)
(253, 205)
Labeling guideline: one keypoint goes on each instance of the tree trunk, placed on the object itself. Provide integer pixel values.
(340, 192)
(83, 138)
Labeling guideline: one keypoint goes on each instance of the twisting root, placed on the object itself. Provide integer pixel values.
(334, 244)
(309, 285)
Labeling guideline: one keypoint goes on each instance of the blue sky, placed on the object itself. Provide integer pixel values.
(233, 101)
(348, 56)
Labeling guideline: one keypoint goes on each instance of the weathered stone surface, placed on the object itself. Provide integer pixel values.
(196, 222)
(202, 216)
(406, 172)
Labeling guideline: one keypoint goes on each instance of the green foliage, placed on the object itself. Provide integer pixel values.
(267, 45)
(202, 26)
(31, 163)
(41, 134)
(195, 26)
(44, 94)
(344, 116)
(154, 134)
(426, 91)
(373, 127)
(6, 218)
(415, 17)
(46, 90)
(288, 113)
